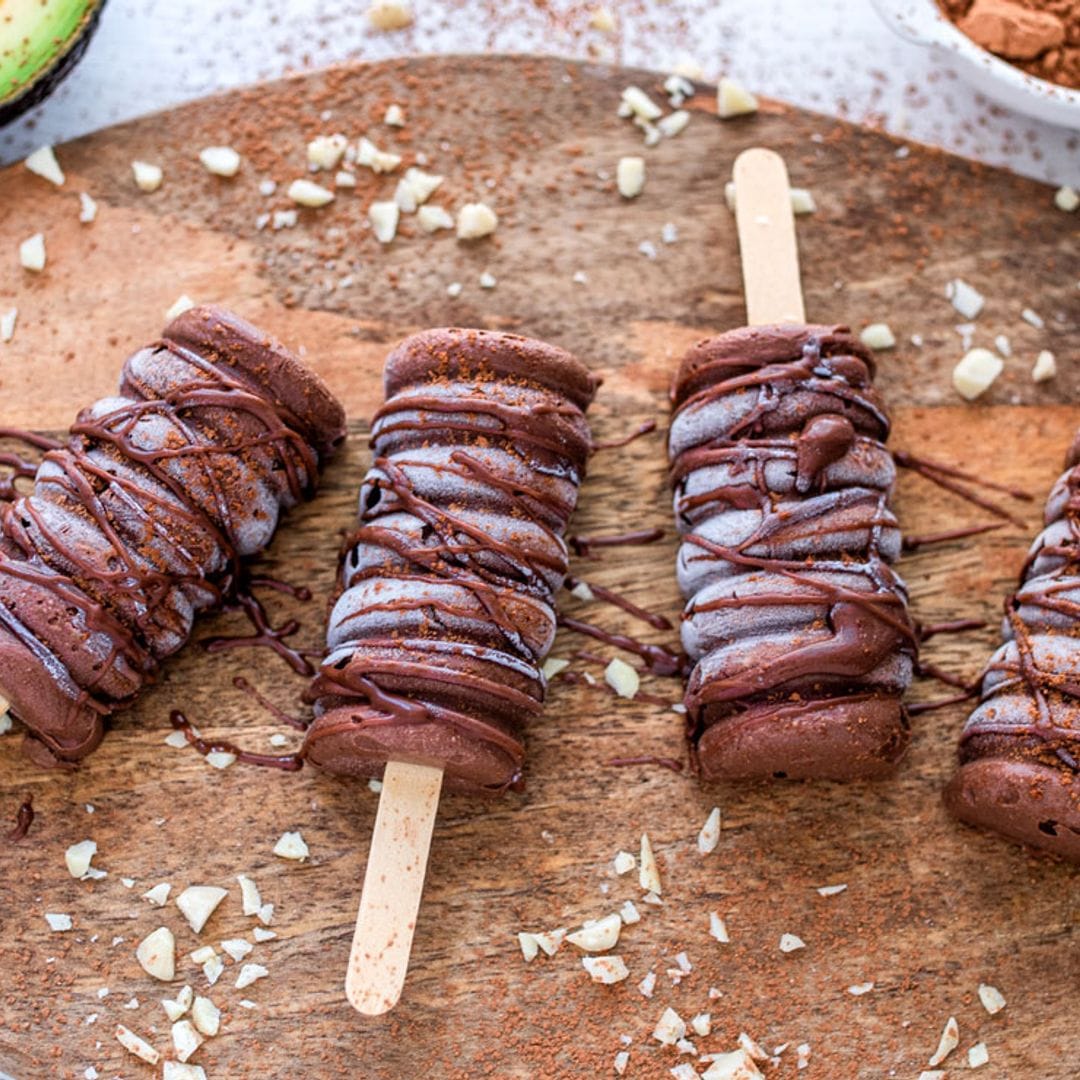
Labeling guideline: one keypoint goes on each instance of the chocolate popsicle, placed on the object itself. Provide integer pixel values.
(140, 519)
(1020, 748)
(446, 604)
(796, 623)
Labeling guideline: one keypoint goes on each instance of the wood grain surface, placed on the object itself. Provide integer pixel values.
(932, 909)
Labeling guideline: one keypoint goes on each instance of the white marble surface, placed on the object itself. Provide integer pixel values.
(835, 56)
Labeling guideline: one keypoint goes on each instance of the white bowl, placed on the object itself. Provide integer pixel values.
(921, 22)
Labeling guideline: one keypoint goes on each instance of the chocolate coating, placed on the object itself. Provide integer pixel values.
(139, 521)
(796, 623)
(1020, 748)
(446, 603)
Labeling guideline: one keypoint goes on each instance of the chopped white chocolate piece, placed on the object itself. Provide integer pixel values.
(250, 899)
(206, 1016)
(978, 1055)
(831, 890)
(78, 857)
(156, 954)
(950, 1039)
(550, 940)
(670, 1028)
(648, 872)
(488, 280)
(308, 193)
(213, 968)
(553, 665)
(629, 913)
(858, 989)
(718, 928)
(622, 678)
(678, 87)
(261, 934)
(383, 216)
(791, 942)
(291, 846)
(605, 969)
(422, 184)
(326, 151)
(622, 1059)
(603, 19)
(624, 862)
(250, 973)
(237, 948)
(709, 836)
(176, 1007)
(669, 233)
(640, 104)
(201, 955)
(174, 1070)
(267, 187)
(529, 946)
(7, 332)
(475, 220)
(878, 336)
(390, 14)
(344, 179)
(976, 372)
(993, 1001)
(647, 985)
(630, 176)
(738, 1065)
(220, 759)
(733, 99)
(220, 160)
(58, 922)
(753, 1048)
(1045, 366)
(176, 739)
(598, 936)
(135, 1045)
(729, 195)
(802, 201)
(433, 218)
(42, 162)
(283, 219)
(197, 904)
(701, 1024)
(158, 895)
(670, 125)
(1003, 345)
(180, 305)
(266, 914)
(1032, 318)
(394, 116)
(186, 1040)
(32, 253)
(684, 1070)
(148, 177)
(1065, 198)
(371, 157)
(965, 298)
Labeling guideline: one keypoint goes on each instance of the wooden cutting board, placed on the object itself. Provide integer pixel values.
(931, 909)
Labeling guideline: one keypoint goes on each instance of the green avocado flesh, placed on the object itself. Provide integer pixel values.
(36, 38)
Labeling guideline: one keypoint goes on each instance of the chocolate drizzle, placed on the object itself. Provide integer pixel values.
(142, 517)
(796, 623)
(445, 610)
(24, 818)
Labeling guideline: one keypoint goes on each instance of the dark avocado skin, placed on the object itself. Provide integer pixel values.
(50, 78)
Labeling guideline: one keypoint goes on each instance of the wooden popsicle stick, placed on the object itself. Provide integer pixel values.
(766, 223)
(393, 883)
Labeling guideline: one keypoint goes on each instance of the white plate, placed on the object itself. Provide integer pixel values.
(921, 22)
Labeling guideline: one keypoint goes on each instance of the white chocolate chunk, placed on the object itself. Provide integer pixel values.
(176, 1007)
(371, 157)
(718, 928)
(978, 1055)
(648, 872)
(344, 179)
(326, 151)
(1032, 318)
(733, 99)
(598, 936)
(802, 201)
(488, 280)
(606, 970)
(156, 954)
(993, 1001)
(709, 837)
(148, 177)
(32, 253)
(550, 940)
(291, 845)
(213, 968)
(630, 176)
(197, 904)
(250, 973)
(201, 955)
(976, 372)
(390, 14)
(1045, 366)
(308, 193)
(7, 332)
(176, 739)
(186, 1040)
(624, 862)
(629, 913)
(133, 1044)
(670, 1028)
(1065, 198)
(158, 895)
(206, 1016)
(738, 1065)
(250, 899)
(950, 1039)
(791, 942)
(421, 184)
(647, 985)
(42, 162)
(701, 1024)
(261, 934)
(174, 1070)
(878, 336)
(220, 160)
(58, 923)
(603, 19)
(831, 890)
(475, 220)
(640, 104)
(752, 1047)
(529, 946)
(283, 219)
(622, 1059)
(383, 216)
(78, 857)
(622, 678)
(394, 116)
(180, 305)
(237, 948)
(672, 124)
(433, 218)
(858, 989)
(965, 298)
(553, 665)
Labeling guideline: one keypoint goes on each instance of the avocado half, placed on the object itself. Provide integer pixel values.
(40, 42)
